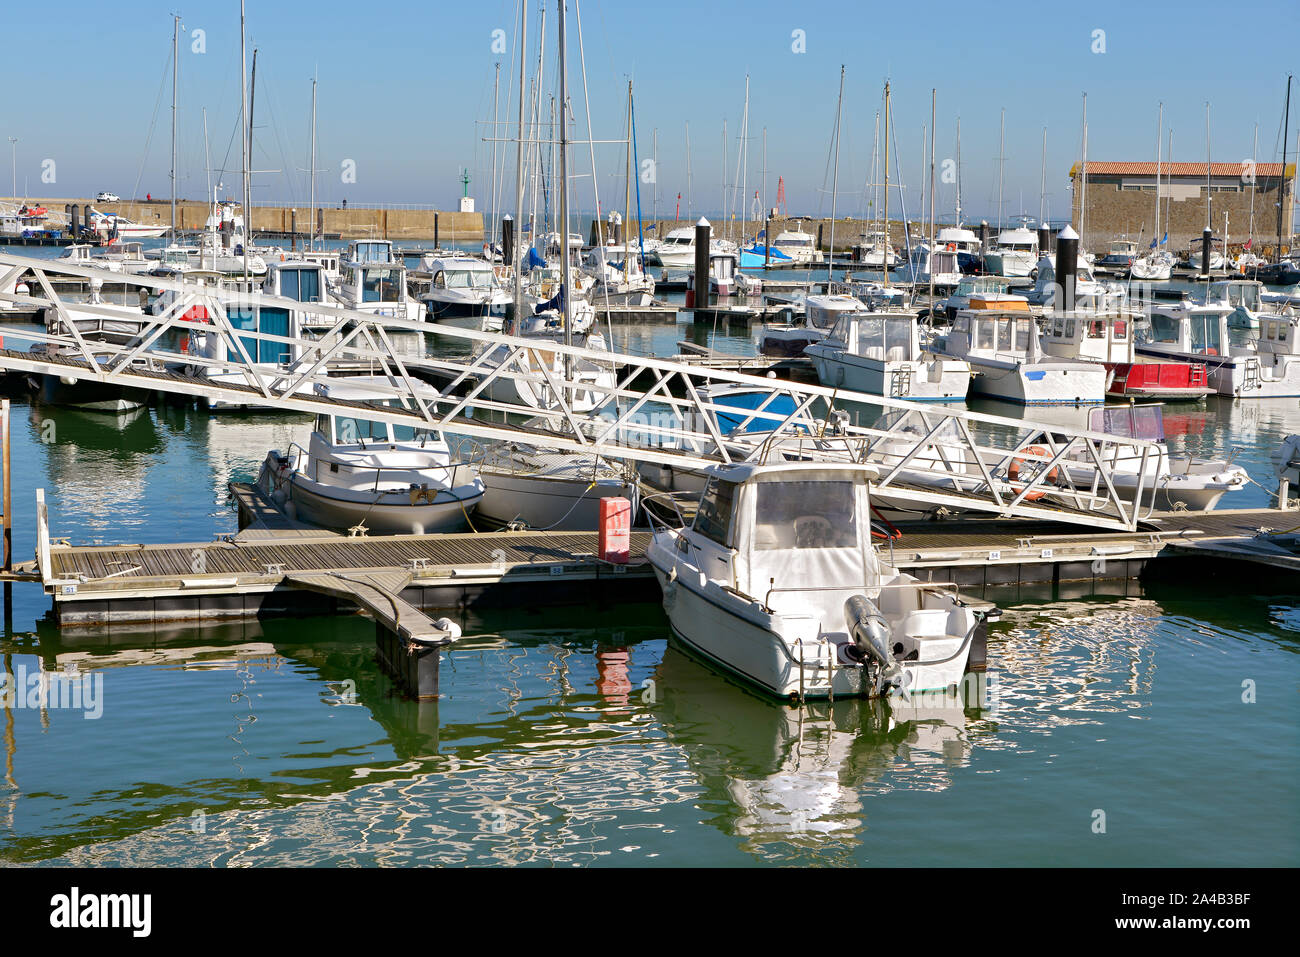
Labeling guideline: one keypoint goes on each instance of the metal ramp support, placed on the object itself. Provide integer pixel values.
(927, 456)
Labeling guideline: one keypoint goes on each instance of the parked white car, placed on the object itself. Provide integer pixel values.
(107, 198)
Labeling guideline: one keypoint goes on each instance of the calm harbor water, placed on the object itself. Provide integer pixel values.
(584, 736)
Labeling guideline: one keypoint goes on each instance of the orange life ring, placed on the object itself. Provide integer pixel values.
(1013, 470)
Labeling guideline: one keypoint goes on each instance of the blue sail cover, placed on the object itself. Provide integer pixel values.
(535, 259)
(753, 256)
(728, 423)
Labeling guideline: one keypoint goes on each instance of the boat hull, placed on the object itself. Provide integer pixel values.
(389, 513)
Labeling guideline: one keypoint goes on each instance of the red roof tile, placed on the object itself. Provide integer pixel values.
(1096, 168)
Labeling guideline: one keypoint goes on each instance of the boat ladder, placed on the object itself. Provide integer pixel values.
(1251, 381)
(900, 383)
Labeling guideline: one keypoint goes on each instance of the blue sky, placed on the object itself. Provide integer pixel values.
(403, 86)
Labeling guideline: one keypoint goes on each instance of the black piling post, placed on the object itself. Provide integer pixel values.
(1067, 265)
(1205, 252)
(1044, 240)
(508, 240)
(435, 230)
(699, 290)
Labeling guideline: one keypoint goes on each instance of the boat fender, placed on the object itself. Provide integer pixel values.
(1019, 462)
(449, 628)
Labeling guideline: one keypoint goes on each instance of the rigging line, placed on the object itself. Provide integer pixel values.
(135, 190)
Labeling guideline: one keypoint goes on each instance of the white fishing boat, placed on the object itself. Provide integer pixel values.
(777, 582)
(874, 251)
(940, 269)
(820, 314)
(359, 472)
(1006, 354)
(1154, 265)
(1249, 301)
(677, 250)
(464, 293)
(1110, 339)
(1015, 253)
(1266, 367)
(1168, 481)
(985, 288)
(798, 245)
(619, 278)
(880, 354)
(108, 226)
(535, 487)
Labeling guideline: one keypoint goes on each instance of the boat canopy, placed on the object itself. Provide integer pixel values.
(791, 525)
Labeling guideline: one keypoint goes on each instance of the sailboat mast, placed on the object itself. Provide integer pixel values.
(744, 167)
(516, 265)
(835, 177)
(1083, 173)
(1042, 186)
(627, 191)
(1160, 127)
(176, 29)
(933, 103)
(655, 165)
(496, 86)
(1254, 185)
(1002, 140)
(1281, 180)
(311, 241)
(888, 245)
(243, 128)
(563, 177)
(957, 211)
(688, 170)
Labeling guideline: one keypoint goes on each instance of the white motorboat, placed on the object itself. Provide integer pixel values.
(543, 488)
(798, 245)
(1015, 253)
(619, 278)
(108, 226)
(1249, 301)
(362, 472)
(880, 354)
(677, 250)
(464, 293)
(777, 582)
(940, 269)
(1154, 265)
(820, 314)
(1006, 353)
(1266, 367)
(972, 287)
(873, 251)
(1168, 481)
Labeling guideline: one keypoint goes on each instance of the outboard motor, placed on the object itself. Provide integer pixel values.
(872, 637)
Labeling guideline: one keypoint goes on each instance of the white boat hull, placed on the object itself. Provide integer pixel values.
(1044, 383)
(546, 502)
(386, 513)
(933, 380)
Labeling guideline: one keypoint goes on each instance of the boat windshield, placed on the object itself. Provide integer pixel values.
(793, 514)
(1162, 328)
(1144, 422)
(713, 520)
(885, 338)
(350, 430)
(468, 278)
(381, 285)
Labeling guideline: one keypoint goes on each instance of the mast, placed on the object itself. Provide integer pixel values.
(566, 281)
(888, 246)
(176, 28)
(311, 242)
(1042, 186)
(1002, 140)
(1254, 186)
(1083, 173)
(1160, 128)
(835, 177)
(496, 84)
(688, 170)
(744, 170)
(627, 192)
(933, 95)
(207, 162)
(519, 164)
(655, 154)
(958, 209)
(243, 129)
(1281, 180)
(1209, 200)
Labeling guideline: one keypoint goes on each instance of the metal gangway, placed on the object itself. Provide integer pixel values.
(652, 411)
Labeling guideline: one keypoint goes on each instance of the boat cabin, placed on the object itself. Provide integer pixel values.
(353, 430)
(461, 272)
(1106, 337)
(795, 537)
(365, 251)
(993, 333)
(1188, 328)
(881, 336)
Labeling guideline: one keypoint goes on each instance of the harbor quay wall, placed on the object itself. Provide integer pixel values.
(354, 222)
